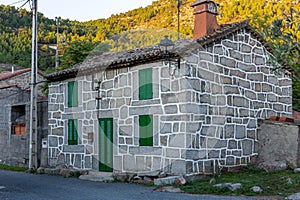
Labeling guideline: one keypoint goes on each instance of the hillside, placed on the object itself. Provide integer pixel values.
(135, 28)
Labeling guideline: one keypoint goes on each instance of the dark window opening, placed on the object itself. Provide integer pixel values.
(18, 119)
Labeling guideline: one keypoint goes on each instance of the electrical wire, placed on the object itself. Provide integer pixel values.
(24, 4)
(19, 92)
(17, 2)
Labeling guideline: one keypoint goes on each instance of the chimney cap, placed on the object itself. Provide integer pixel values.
(198, 2)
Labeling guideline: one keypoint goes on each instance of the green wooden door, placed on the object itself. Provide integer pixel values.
(106, 145)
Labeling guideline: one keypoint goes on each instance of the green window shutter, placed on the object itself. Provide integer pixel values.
(72, 94)
(72, 132)
(146, 130)
(145, 84)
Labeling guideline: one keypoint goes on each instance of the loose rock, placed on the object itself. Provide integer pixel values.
(169, 189)
(297, 170)
(65, 172)
(272, 166)
(289, 181)
(256, 189)
(231, 186)
(40, 170)
(180, 181)
(294, 196)
(212, 181)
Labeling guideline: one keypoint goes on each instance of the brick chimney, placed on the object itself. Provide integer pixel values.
(205, 12)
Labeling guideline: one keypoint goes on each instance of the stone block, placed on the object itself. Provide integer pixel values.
(73, 148)
(241, 102)
(129, 163)
(208, 130)
(166, 181)
(178, 167)
(145, 150)
(107, 85)
(171, 109)
(225, 80)
(125, 130)
(206, 56)
(205, 98)
(168, 98)
(255, 77)
(209, 166)
(250, 94)
(267, 87)
(58, 131)
(230, 44)
(285, 82)
(87, 162)
(229, 131)
(229, 62)
(53, 141)
(216, 89)
(218, 120)
(237, 73)
(177, 140)
(205, 74)
(230, 160)
(247, 147)
(240, 132)
(78, 161)
(165, 85)
(176, 118)
(165, 128)
(155, 109)
(193, 127)
(157, 161)
(172, 153)
(231, 90)
(259, 60)
(245, 48)
(271, 98)
(232, 144)
(214, 154)
(247, 67)
(285, 100)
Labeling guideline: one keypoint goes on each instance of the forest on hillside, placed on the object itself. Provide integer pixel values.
(278, 21)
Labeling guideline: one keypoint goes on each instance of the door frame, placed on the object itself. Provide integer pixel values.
(105, 142)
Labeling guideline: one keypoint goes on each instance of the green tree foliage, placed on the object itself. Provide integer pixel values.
(76, 53)
(277, 21)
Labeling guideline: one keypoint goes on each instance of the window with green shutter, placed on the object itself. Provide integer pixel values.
(146, 130)
(72, 94)
(145, 84)
(72, 132)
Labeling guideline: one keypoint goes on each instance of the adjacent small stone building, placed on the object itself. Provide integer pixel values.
(14, 117)
(128, 112)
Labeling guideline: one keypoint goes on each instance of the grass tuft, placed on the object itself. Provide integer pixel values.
(13, 168)
(282, 183)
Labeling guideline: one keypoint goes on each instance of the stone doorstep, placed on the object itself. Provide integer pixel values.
(97, 176)
(166, 181)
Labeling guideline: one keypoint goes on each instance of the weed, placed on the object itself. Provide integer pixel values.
(13, 168)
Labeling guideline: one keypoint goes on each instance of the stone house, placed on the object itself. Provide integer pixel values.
(125, 111)
(15, 115)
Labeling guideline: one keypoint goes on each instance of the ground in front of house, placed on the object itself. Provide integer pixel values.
(249, 182)
(22, 186)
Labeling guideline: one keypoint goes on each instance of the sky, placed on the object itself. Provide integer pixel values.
(82, 10)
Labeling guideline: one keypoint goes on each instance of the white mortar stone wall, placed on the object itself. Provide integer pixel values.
(205, 117)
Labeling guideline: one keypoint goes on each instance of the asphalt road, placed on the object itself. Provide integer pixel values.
(22, 186)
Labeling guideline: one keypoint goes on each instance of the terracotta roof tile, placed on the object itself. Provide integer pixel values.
(7, 75)
(7, 86)
(126, 58)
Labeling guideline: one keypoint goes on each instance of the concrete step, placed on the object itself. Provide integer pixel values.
(97, 176)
